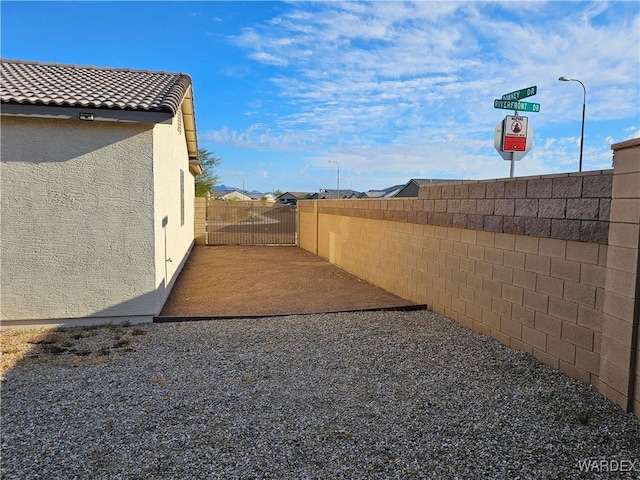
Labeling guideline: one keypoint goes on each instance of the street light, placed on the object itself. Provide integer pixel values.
(584, 103)
(333, 161)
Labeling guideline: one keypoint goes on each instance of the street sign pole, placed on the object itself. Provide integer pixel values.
(514, 139)
(513, 164)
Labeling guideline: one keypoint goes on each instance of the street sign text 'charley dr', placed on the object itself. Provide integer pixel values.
(511, 101)
(520, 94)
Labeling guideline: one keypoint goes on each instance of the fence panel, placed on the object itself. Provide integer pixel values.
(250, 223)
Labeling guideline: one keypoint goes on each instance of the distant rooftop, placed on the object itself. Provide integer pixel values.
(425, 181)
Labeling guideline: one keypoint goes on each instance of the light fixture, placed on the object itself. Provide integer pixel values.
(333, 161)
(584, 103)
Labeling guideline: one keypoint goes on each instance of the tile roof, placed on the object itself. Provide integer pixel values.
(427, 181)
(297, 195)
(330, 193)
(91, 87)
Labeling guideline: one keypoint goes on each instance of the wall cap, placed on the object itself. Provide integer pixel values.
(634, 142)
(585, 173)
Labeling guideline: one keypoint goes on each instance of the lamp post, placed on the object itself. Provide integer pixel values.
(584, 103)
(338, 183)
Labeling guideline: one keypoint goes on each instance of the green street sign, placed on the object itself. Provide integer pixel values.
(520, 94)
(516, 106)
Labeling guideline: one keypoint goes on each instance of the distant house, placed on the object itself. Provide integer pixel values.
(411, 188)
(239, 195)
(335, 194)
(291, 198)
(97, 185)
(267, 197)
(385, 193)
(231, 195)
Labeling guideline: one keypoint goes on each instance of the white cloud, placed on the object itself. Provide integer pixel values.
(259, 137)
(405, 87)
(634, 132)
(268, 58)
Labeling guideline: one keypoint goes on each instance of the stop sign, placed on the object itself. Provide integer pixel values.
(517, 143)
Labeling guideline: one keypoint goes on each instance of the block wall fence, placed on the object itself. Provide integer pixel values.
(545, 264)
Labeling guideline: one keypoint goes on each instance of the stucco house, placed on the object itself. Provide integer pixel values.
(97, 187)
(385, 193)
(328, 193)
(291, 198)
(241, 195)
(231, 195)
(412, 187)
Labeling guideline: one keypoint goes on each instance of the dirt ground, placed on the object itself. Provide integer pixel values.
(253, 281)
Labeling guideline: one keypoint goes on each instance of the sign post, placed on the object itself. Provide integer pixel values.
(513, 137)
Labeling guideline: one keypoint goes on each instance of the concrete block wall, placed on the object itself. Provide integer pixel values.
(567, 206)
(199, 228)
(308, 225)
(619, 361)
(496, 264)
(524, 291)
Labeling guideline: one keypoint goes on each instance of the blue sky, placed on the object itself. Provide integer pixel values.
(389, 90)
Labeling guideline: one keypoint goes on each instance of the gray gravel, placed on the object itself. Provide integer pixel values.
(354, 395)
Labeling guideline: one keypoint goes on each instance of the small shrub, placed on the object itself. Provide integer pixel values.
(81, 353)
(54, 349)
(123, 342)
(584, 417)
(41, 341)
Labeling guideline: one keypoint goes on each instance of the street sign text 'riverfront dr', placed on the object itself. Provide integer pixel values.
(517, 106)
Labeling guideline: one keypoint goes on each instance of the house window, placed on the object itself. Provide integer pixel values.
(181, 197)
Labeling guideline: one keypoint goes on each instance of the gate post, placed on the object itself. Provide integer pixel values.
(199, 228)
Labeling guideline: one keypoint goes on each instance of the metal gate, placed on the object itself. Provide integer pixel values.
(250, 223)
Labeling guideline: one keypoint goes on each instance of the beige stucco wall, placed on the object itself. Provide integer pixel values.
(173, 239)
(78, 220)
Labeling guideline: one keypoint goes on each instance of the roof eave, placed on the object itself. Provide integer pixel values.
(189, 123)
(195, 167)
(84, 113)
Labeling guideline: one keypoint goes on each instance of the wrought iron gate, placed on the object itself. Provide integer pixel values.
(250, 223)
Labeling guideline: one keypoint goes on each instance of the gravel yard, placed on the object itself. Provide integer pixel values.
(347, 395)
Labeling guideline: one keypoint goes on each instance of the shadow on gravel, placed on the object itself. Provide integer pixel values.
(356, 395)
